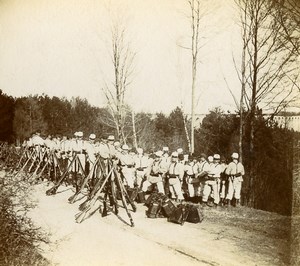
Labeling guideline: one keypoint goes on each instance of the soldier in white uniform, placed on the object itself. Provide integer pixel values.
(210, 185)
(175, 177)
(78, 149)
(235, 170)
(202, 172)
(223, 181)
(193, 183)
(127, 166)
(141, 163)
(153, 174)
(91, 151)
(165, 162)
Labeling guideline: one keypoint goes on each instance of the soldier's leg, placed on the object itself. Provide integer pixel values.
(237, 190)
(178, 191)
(160, 187)
(191, 190)
(230, 190)
(206, 192)
(146, 185)
(215, 189)
(139, 177)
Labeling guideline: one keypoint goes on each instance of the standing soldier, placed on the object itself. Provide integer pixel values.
(235, 172)
(164, 165)
(127, 166)
(175, 177)
(91, 151)
(153, 174)
(203, 172)
(193, 183)
(141, 163)
(223, 181)
(210, 185)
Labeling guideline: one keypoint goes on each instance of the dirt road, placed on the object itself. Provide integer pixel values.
(225, 237)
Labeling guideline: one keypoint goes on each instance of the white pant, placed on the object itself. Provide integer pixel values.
(194, 189)
(211, 186)
(222, 189)
(139, 177)
(175, 188)
(234, 188)
(128, 174)
(159, 184)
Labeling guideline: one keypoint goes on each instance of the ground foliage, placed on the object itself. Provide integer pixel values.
(19, 237)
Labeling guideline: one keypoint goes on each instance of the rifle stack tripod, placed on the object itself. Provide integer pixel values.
(103, 184)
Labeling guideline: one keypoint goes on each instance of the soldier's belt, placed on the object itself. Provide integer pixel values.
(173, 176)
(128, 166)
(141, 168)
(152, 174)
(78, 152)
(191, 176)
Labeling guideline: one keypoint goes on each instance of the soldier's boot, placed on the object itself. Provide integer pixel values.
(222, 202)
(227, 203)
(237, 203)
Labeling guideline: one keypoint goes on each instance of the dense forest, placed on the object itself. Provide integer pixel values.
(268, 180)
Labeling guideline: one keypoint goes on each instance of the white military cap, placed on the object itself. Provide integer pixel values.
(174, 154)
(139, 150)
(165, 149)
(117, 143)
(125, 147)
(92, 136)
(159, 153)
(180, 150)
(217, 156)
(76, 134)
(210, 159)
(79, 134)
(111, 137)
(235, 155)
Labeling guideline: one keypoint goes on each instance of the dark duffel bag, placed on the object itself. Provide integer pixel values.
(154, 197)
(132, 193)
(179, 215)
(168, 207)
(141, 197)
(154, 210)
(195, 214)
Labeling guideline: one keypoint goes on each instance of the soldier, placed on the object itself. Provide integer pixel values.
(193, 183)
(235, 170)
(164, 166)
(153, 174)
(175, 177)
(141, 163)
(127, 166)
(203, 172)
(78, 149)
(223, 181)
(91, 151)
(210, 185)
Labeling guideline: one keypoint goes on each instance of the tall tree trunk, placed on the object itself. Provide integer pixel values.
(134, 130)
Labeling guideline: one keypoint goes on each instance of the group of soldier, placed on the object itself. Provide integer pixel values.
(207, 180)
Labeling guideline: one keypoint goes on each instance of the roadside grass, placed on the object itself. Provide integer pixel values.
(19, 238)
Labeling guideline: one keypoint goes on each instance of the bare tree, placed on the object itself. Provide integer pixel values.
(268, 70)
(198, 11)
(268, 65)
(123, 67)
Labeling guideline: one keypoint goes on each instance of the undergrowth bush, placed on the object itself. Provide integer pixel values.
(19, 238)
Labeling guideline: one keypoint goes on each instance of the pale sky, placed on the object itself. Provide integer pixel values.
(61, 48)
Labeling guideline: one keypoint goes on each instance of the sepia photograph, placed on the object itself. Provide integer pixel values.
(149, 132)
